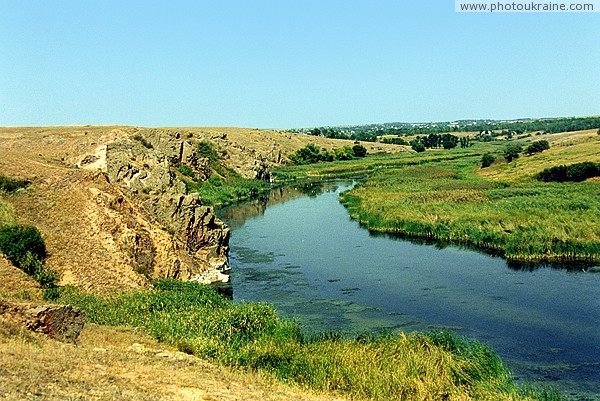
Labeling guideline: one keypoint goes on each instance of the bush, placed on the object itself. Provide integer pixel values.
(344, 153)
(512, 151)
(487, 160)
(186, 170)
(207, 149)
(417, 146)
(307, 155)
(143, 141)
(538, 147)
(25, 248)
(17, 241)
(574, 172)
(359, 150)
(8, 184)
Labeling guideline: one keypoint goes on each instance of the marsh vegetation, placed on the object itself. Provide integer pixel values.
(446, 195)
(197, 320)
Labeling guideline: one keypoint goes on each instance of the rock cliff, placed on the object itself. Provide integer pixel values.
(192, 243)
(111, 204)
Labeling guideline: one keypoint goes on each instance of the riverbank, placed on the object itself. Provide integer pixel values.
(198, 321)
(446, 195)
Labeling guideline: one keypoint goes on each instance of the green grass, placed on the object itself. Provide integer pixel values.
(197, 320)
(7, 214)
(220, 191)
(447, 196)
(448, 201)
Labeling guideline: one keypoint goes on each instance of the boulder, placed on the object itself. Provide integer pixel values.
(60, 322)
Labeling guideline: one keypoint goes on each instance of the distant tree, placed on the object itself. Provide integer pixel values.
(308, 154)
(417, 146)
(487, 160)
(538, 147)
(344, 153)
(359, 150)
(449, 141)
(574, 172)
(465, 142)
(395, 141)
(512, 151)
(432, 141)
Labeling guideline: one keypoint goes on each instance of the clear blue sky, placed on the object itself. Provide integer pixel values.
(276, 64)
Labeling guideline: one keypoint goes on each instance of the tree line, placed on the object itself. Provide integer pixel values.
(487, 129)
(312, 154)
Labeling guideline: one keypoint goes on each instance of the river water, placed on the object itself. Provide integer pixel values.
(299, 250)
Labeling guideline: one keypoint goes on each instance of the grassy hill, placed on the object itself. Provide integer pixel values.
(448, 196)
(153, 340)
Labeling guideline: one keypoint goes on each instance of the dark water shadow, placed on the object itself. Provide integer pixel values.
(583, 266)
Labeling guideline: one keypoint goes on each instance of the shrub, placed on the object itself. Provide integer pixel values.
(344, 153)
(25, 248)
(8, 184)
(17, 241)
(143, 141)
(207, 149)
(512, 151)
(307, 155)
(186, 170)
(538, 147)
(31, 265)
(487, 160)
(574, 172)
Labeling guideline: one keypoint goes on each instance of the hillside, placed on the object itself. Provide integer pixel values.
(115, 208)
(114, 213)
(123, 364)
(112, 207)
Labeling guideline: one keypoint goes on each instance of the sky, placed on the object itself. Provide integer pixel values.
(286, 64)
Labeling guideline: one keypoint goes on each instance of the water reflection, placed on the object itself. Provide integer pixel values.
(236, 215)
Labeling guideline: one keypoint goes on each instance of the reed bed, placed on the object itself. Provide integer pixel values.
(449, 201)
(417, 366)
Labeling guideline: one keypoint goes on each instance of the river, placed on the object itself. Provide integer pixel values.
(299, 250)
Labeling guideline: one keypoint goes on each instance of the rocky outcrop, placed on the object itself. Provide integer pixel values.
(60, 322)
(192, 243)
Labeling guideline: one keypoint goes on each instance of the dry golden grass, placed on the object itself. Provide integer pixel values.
(122, 364)
(14, 281)
(63, 201)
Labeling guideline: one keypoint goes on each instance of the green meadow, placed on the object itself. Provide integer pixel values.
(447, 195)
